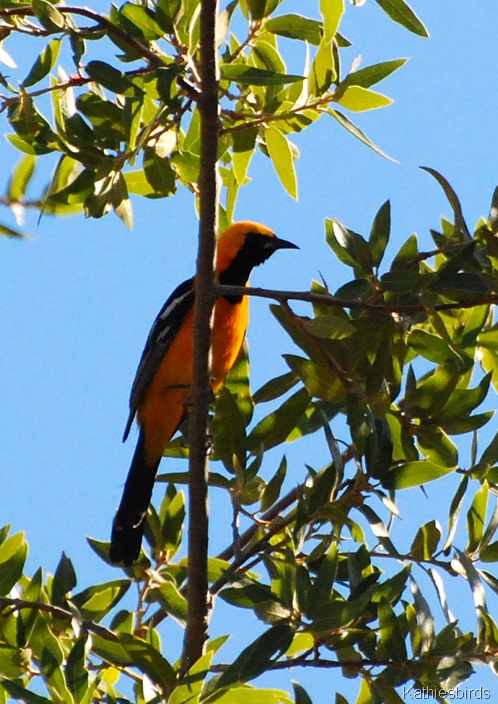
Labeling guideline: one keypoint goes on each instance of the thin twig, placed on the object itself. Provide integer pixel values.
(356, 304)
(57, 612)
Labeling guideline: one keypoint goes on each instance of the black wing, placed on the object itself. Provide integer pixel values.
(162, 333)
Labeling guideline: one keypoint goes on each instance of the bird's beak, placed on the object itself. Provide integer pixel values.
(277, 243)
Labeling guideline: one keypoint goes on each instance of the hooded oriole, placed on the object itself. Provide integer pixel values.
(162, 383)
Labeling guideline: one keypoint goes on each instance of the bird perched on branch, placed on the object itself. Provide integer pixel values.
(162, 383)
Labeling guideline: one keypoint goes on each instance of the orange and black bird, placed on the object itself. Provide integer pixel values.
(162, 383)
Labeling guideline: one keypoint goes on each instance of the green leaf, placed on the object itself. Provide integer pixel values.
(10, 232)
(64, 580)
(143, 19)
(426, 541)
(109, 77)
(243, 149)
(275, 387)
(370, 75)
(44, 63)
(192, 683)
(229, 430)
(48, 15)
(237, 382)
(430, 346)
(275, 427)
(282, 159)
(13, 554)
(476, 518)
(171, 600)
(96, 601)
(257, 657)
(20, 177)
(159, 172)
(400, 12)
(331, 12)
(415, 473)
(390, 633)
(350, 247)
(323, 70)
(330, 327)
(249, 75)
(272, 489)
(20, 693)
(261, 8)
(379, 233)
(433, 390)
(359, 99)
(319, 379)
(11, 662)
(436, 446)
(76, 671)
(453, 200)
(148, 659)
(357, 132)
(320, 594)
(296, 27)
(252, 695)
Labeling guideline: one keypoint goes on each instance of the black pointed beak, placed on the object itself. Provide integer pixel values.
(277, 243)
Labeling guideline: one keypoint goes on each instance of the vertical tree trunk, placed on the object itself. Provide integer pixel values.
(197, 590)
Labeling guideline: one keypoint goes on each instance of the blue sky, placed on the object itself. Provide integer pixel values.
(78, 299)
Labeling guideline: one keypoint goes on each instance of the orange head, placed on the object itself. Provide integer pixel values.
(243, 246)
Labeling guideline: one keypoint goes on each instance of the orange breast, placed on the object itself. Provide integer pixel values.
(163, 407)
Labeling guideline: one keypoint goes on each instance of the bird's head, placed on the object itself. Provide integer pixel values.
(243, 246)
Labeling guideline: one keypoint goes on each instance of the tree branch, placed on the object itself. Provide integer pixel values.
(58, 612)
(335, 302)
(197, 587)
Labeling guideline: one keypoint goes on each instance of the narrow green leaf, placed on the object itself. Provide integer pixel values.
(301, 696)
(48, 15)
(20, 693)
(370, 75)
(44, 63)
(76, 671)
(256, 658)
(229, 431)
(109, 77)
(171, 600)
(96, 601)
(249, 75)
(476, 518)
(426, 541)
(359, 99)
(331, 12)
(275, 427)
(414, 473)
(358, 133)
(400, 12)
(144, 20)
(282, 159)
(243, 149)
(436, 446)
(323, 70)
(11, 232)
(453, 200)
(275, 388)
(390, 633)
(272, 489)
(148, 659)
(296, 27)
(379, 233)
(159, 173)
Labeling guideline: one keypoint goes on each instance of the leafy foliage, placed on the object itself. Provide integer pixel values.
(391, 367)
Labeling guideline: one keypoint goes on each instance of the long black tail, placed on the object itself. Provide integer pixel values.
(129, 522)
